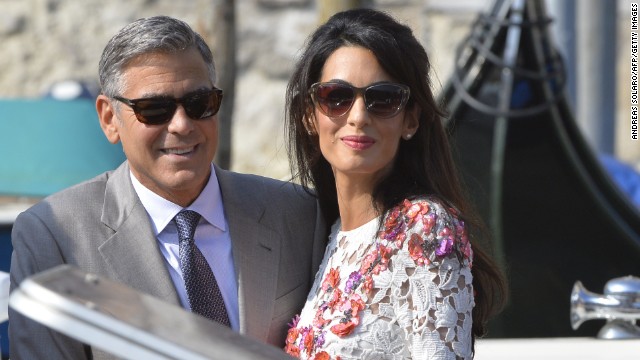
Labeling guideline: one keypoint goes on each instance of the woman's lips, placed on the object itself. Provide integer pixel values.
(358, 142)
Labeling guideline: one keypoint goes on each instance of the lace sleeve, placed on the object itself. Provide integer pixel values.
(432, 297)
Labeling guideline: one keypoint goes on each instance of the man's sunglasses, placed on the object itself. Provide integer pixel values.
(157, 111)
(383, 100)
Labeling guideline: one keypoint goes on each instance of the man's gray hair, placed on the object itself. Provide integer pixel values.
(144, 36)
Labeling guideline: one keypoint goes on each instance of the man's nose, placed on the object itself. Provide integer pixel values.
(180, 121)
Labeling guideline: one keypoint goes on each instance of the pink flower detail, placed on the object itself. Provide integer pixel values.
(428, 221)
(367, 262)
(353, 303)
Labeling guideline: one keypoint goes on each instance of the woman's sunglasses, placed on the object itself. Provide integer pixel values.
(157, 111)
(335, 99)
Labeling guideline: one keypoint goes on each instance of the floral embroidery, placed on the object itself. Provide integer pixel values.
(343, 307)
(416, 252)
(331, 281)
(322, 356)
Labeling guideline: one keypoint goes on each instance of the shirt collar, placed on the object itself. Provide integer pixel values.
(161, 211)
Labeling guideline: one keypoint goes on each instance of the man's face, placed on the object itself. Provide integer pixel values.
(173, 159)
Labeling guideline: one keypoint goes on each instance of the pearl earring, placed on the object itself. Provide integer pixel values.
(408, 136)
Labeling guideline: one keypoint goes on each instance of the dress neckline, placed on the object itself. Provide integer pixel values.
(362, 228)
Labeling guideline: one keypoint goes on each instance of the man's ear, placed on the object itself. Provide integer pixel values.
(108, 119)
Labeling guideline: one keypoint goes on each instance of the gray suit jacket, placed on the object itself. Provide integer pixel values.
(277, 233)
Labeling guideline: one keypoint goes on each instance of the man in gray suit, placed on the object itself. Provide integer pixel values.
(262, 239)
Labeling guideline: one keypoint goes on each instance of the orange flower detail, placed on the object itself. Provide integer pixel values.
(291, 347)
(308, 342)
(336, 295)
(392, 219)
(319, 320)
(343, 329)
(322, 355)
(413, 210)
(292, 335)
(367, 284)
(331, 280)
(357, 304)
(400, 239)
(354, 303)
(424, 207)
(385, 255)
(415, 250)
(292, 350)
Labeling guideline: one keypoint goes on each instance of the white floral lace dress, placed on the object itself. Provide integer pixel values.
(404, 292)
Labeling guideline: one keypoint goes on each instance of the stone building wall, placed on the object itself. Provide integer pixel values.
(48, 41)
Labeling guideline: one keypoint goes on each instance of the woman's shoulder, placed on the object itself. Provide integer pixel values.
(429, 229)
(428, 211)
(426, 203)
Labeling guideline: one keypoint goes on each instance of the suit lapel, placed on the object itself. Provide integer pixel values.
(132, 253)
(256, 253)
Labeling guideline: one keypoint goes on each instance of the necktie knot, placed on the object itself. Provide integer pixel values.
(186, 222)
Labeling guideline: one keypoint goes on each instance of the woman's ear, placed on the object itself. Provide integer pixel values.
(109, 122)
(309, 124)
(411, 121)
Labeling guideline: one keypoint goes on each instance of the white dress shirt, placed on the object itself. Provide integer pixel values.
(211, 237)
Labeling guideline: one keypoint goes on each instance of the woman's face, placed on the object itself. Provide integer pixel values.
(360, 145)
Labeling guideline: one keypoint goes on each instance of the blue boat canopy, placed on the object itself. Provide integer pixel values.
(50, 145)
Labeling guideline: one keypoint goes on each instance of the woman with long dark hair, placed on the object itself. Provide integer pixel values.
(403, 274)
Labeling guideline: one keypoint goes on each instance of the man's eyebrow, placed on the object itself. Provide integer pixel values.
(156, 95)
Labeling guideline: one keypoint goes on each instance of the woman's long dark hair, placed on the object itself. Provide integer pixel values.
(424, 164)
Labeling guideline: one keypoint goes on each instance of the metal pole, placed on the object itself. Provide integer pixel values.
(563, 31)
(225, 47)
(596, 34)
